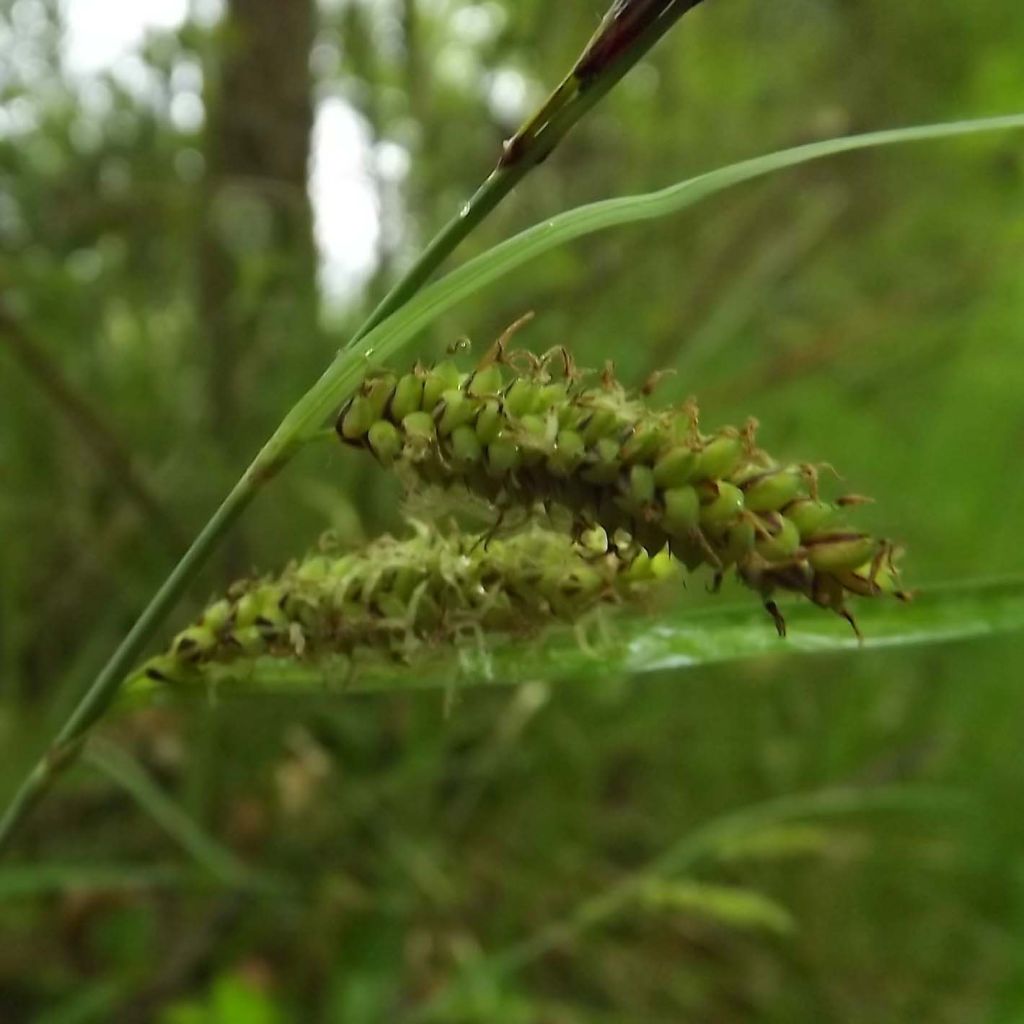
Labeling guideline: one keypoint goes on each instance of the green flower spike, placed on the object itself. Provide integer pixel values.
(522, 430)
(398, 597)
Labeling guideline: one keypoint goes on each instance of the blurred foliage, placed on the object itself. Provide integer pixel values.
(867, 310)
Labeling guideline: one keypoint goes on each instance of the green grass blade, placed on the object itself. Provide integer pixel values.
(395, 332)
(25, 881)
(671, 641)
(702, 844)
(206, 851)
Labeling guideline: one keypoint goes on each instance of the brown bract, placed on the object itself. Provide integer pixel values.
(621, 27)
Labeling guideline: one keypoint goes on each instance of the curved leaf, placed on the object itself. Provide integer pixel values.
(385, 340)
(637, 645)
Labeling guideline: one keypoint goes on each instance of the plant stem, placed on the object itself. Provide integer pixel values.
(531, 146)
(585, 86)
(207, 852)
(699, 845)
(66, 746)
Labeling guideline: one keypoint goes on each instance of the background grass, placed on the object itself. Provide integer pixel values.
(867, 311)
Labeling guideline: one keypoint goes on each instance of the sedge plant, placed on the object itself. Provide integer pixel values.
(627, 33)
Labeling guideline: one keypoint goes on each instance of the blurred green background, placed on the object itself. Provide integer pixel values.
(162, 308)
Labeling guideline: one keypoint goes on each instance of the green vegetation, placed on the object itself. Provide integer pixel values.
(760, 836)
(436, 590)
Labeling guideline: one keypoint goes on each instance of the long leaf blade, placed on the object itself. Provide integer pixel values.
(398, 330)
(640, 645)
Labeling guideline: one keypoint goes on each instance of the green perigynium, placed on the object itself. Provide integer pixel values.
(396, 598)
(522, 430)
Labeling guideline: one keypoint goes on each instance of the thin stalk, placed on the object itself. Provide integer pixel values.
(704, 842)
(593, 75)
(700, 845)
(66, 746)
(204, 849)
(531, 145)
(307, 417)
(53, 878)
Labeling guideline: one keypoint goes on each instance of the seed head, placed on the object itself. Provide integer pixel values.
(398, 597)
(522, 430)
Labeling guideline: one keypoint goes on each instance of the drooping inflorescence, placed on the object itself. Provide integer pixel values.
(395, 598)
(522, 430)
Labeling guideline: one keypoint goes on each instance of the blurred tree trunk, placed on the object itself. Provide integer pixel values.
(257, 260)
